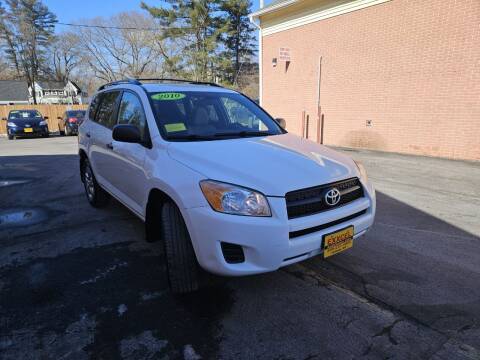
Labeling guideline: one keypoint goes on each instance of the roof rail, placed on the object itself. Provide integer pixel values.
(138, 81)
(118, 82)
(179, 80)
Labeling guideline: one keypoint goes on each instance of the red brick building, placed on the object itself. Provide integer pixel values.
(391, 75)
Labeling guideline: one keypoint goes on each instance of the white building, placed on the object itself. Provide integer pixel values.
(55, 92)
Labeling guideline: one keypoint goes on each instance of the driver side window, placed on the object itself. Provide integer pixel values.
(131, 112)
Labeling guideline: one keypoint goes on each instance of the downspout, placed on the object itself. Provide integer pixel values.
(320, 118)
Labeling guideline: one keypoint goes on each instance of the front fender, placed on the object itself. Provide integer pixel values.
(178, 181)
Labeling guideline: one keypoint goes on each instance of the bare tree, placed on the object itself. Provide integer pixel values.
(65, 56)
(27, 27)
(121, 46)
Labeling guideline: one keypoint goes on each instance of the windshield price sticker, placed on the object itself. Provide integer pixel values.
(168, 96)
(175, 127)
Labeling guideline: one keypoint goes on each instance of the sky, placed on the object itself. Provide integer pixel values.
(73, 11)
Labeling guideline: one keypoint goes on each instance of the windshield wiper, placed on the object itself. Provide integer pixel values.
(191, 137)
(196, 137)
(243, 133)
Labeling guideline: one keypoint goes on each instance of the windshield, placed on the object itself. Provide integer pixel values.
(190, 116)
(23, 114)
(77, 114)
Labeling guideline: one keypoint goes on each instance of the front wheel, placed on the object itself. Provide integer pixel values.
(96, 196)
(10, 137)
(182, 267)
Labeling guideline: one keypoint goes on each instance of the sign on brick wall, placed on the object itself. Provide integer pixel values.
(284, 54)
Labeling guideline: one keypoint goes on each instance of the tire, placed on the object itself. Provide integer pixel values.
(182, 266)
(10, 137)
(65, 130)
(96, 196)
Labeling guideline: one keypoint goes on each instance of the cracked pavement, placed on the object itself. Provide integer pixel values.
(80, 283)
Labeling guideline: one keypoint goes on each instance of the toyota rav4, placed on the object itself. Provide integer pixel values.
(218, 180)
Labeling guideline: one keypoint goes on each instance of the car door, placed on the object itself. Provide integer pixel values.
(128, 159)
(100, 131)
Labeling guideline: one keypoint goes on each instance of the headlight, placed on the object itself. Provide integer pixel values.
(232, 199)
(43, 122)
(361, 169)
(11, 124)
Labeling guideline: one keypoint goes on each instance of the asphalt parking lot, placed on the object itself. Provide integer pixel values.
(78, 282)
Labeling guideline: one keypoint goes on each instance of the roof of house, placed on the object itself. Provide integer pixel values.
(51, 84)
(76, 85)
(13, 90)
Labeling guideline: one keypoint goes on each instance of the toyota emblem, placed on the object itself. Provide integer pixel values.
(332, 197)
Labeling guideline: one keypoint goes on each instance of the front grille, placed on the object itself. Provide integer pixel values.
(232, 253)
(312, 200)
(294, 234)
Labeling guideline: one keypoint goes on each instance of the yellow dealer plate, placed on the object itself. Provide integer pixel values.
(175, 127)
(338, 241)
(28, 130)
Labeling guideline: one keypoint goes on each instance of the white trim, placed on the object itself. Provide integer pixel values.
(272, 8)
(260, 59)
(8, 102)
(260, 66)
(321, 15)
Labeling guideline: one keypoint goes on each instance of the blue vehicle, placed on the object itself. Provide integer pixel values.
(23, 123)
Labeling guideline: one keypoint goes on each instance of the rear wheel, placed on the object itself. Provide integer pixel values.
(96, 196)
(182, 267)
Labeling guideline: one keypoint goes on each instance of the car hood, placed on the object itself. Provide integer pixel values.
(273, 165)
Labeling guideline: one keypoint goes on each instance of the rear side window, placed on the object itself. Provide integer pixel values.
(94, 107)
(105, 114)
(131, 112)
(77, 114)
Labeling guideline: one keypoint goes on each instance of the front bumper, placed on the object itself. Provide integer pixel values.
(266, 242)
(36, 131)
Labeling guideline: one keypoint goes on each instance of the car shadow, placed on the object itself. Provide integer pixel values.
(415, 264)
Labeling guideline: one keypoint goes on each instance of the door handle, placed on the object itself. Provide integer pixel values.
(87, 134)
(110, 146)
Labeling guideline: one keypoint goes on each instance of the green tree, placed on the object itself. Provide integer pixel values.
(196, 26)
(238, 39)
(7, 41)
(27, 29)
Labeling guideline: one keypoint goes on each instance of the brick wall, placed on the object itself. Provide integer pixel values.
(411, 67)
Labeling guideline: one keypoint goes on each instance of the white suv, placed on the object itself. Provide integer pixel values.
(219, 181)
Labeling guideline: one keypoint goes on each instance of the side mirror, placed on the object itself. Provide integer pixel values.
(281, 122)
(45, 118)
(126, 133)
